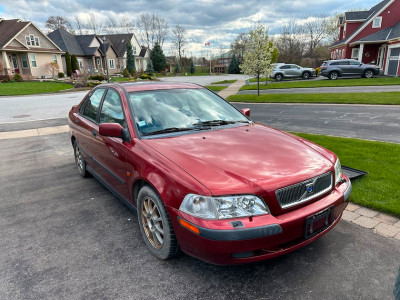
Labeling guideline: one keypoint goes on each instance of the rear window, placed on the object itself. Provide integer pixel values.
(335, 63)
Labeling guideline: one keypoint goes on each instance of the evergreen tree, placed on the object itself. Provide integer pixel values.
(150, 68)
(68, 63)
(234, 66)
(130, 59)
(74, 63)
(158, 58)
(177, 69)
(192, 68)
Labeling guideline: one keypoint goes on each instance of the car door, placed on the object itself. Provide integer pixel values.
(86, 122)
(292, 71)
(355, 67)
(110, 153)
(345, 67)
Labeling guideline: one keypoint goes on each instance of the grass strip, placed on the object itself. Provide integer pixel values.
(386, 98)
(29, 88)
(380, 189)
(216, 88)
(224, 81)
(324, 83)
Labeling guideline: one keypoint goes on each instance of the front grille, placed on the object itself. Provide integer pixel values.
(304, 191)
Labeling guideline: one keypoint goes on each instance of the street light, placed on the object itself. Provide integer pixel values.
(105, 58)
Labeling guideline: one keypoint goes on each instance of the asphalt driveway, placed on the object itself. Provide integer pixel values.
(64, 237)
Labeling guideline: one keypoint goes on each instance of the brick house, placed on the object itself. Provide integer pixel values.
(25, 50)
(371, 36)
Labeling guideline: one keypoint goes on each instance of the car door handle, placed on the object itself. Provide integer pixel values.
(94, 132)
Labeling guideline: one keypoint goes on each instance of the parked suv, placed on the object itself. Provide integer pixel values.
(281, 71)
(347, 67)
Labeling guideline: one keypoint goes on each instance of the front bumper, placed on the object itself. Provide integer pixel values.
(260, 237)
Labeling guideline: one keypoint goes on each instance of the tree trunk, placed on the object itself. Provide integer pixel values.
(258, 84)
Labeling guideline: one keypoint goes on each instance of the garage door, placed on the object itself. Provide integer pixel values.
(393, 61)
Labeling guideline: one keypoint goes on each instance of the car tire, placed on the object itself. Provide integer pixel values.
(278, 77)
(155, 225)
(80, 161)
(368, 74)
(333, 75)
(306, 75)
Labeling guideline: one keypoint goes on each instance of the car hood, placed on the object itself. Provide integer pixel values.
(244, 159)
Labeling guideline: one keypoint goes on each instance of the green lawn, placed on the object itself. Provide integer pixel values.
(380, 189)
(325, 83)
(224, 81)
(28, 88)
(120, 79)
(215, 88)
(388, 98)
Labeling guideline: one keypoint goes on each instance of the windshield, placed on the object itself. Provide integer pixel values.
(163, 111)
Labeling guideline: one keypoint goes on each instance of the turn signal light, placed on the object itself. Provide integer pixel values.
(189, 226)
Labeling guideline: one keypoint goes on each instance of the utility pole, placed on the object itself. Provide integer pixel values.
(105, 58)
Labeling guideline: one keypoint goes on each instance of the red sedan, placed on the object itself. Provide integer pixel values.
(202, 176)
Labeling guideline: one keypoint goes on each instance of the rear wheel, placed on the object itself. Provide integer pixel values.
(306, 75)
(333, 75)
(368, 74)
(278, 77)
(155, 225)
(80, 161)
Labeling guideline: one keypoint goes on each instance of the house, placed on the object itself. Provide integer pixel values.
(141, 53)
(91, 50)
(222, 62)
(371, 36)
(25, 50)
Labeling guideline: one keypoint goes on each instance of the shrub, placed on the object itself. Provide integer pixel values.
(145, 76)
(18, 78)
(133, 72)
(125, 73)
(6, 80)
(61, 75)
(97, 77)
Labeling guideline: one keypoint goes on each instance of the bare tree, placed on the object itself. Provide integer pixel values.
(126, 25)
(95, 25)
(290, 43)
(79, 25)
(152, 29)
(314, 31)
(238, 46)
(58, 22)
(111, 26)
(179, 40)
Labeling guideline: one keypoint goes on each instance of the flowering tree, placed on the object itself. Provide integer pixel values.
(52, 67)
(259, 54)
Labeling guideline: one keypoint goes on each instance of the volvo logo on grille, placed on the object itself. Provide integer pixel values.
(310, 188)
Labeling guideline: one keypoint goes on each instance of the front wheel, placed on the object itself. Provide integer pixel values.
(155, 226)
(278, 77)
(306, 75)
(80, 161)
(368, 74)
(333, 75)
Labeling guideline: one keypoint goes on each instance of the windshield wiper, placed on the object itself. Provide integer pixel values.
(217, 123)
(168, 130)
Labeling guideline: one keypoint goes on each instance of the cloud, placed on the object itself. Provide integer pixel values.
(218, 21)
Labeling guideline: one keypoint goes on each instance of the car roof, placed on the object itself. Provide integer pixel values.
(153, 85)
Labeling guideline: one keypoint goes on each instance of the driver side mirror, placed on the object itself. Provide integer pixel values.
(114, 130)
(246, 111)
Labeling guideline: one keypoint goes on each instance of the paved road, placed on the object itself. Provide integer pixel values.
(319, 90)
(380, 123)
(64, 237)
(205, 80)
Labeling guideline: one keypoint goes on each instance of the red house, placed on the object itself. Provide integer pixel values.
(371, 36)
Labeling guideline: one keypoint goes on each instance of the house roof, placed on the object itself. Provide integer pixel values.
(386, 34)
(66, 41)
(143, 51)
(85, 41)
(9, 29)
(357, 15)
(372, 12)
(119, 42)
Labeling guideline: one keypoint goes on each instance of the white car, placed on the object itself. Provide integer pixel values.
(281, 71)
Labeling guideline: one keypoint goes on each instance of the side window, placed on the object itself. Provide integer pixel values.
(285, 67)
(92, 104)
(336, 63)
(354, 63)
(111, 110)
(344, 63)
(294, 66)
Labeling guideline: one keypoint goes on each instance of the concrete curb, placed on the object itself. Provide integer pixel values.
(33, 132)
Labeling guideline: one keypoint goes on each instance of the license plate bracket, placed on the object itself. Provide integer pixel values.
(318, 222)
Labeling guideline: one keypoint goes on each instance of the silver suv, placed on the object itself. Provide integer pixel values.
(281, 71)
(347, 67)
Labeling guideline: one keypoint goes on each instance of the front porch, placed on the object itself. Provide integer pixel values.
(16, 63)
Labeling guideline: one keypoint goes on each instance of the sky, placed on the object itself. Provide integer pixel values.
(214, 21)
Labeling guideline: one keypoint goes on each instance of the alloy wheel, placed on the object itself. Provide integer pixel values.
(152, 222)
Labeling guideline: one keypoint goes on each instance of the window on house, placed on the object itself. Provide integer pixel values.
(111, 64)
(36, 41)
(354, 52)
(33, 60)
(344, 30)
(134, 50)
(377, 23)
(24, 59)
(80, 63)
(28, 40)
(98, 61)
(55, 58)
(32, 37)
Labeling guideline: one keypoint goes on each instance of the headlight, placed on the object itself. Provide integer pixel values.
(223, 207)
(338, 171)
